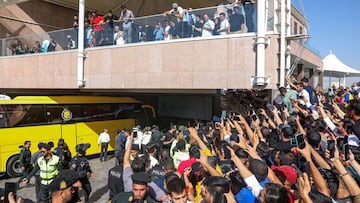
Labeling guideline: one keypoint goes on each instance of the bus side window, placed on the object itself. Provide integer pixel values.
(53, 114)
(3, 123)
(27, 115)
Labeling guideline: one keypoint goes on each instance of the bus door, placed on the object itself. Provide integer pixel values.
(68, 133)
(150, 114)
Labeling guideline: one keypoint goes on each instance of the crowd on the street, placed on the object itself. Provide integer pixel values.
(304, 147)
(110, 29)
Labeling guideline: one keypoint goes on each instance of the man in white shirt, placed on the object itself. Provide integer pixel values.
(208, 26)
(303, 95)
(224, 25)
(104, 139)
(182, 26)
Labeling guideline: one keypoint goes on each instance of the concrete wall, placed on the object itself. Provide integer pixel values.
(182, 64)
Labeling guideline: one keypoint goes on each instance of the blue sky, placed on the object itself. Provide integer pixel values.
(334, 25)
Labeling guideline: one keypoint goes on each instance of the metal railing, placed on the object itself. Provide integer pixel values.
(143, 29)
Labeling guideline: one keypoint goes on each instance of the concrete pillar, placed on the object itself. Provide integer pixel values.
(300, 72)
(311, 77)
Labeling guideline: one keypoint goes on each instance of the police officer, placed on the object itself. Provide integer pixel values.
(25, 160)
(139, 190)
(115, 177)
(34, 159)
(81, 165)
(48, 165)
(64, 187)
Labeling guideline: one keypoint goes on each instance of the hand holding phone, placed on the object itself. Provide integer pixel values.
(300, 141)
(331, 147)
(346, 151)
(9, 187)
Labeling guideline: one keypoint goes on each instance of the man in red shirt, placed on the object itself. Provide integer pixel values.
(98, 21)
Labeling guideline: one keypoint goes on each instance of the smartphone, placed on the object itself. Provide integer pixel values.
(135, 132)
(216, 119)
(323, 145)
(346, 151)
(9, 187)
(253, 117)
(227, 154)
(217, 125)
(293, 142)
(331, 147)
(300, 141)
(223, 115)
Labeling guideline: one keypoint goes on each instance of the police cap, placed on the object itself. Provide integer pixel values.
(65, 179)
(135, 147)
(141, 178)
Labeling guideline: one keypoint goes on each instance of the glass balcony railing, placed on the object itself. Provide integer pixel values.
(141, 29)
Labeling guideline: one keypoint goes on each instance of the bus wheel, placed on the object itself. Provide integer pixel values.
(13, 167)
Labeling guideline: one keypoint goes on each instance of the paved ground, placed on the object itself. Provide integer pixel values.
(98, 182)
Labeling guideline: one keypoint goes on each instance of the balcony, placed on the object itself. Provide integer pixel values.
(222, 61)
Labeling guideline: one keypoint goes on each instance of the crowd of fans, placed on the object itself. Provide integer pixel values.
(110, 29)
(304, 148)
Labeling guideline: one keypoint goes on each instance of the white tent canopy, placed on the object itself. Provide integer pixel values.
(333, 67)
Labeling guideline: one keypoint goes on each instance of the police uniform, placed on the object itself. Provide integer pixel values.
(25, 161)
(48, 171)
(115, 181)
(81, 165)
(139, 178)
(65, 179)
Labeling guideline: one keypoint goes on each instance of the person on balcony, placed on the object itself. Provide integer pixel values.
(127, 17)
(208, 26)
(97, 21)
(224, 25)
(109, 22)
(249, 8)
(236, 20)
(182, 26)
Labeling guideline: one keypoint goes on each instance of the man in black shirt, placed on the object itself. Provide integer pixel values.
(236, 20)
(197, 28)
(168, 138)
(353, 112)
(286, 133)
(109, 20)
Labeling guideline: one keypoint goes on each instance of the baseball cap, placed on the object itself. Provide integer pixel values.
(288, 171)
(174, 5)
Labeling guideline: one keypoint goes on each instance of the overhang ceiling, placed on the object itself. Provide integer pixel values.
(9, 2)
(139, 7)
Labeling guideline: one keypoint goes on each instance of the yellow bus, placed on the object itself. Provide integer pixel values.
(76, 119)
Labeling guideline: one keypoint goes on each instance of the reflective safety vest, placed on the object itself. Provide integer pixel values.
(48, 169)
